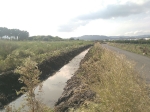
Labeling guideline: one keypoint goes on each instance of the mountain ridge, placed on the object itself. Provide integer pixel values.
(103, 37)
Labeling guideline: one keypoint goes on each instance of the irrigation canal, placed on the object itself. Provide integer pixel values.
(53, 87)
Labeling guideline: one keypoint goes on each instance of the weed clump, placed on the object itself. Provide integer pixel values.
(29, 75)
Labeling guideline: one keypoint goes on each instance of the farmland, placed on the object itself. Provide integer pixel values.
(12, 53)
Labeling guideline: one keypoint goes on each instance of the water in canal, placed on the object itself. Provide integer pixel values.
(53, 87)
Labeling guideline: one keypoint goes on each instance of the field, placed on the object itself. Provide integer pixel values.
(111, 76)
(118, 87)
(12, 53)
(143, 49)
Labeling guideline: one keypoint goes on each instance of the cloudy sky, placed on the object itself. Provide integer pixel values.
(70, 18)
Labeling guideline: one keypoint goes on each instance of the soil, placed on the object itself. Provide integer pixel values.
(75, 93)
(9, 83)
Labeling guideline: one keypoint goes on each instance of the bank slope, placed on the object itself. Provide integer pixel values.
(105, 82)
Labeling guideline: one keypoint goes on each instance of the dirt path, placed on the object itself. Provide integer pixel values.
(142, 62)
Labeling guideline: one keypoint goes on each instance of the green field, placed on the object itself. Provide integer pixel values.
(143, 49)
(12, 53)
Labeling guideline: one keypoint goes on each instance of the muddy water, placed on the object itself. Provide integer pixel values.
(53, 87)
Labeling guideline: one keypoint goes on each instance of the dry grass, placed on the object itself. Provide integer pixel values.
(143, 49)
(118, 87)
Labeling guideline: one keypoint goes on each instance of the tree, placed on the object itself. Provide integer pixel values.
(16, 33)
(71, 38)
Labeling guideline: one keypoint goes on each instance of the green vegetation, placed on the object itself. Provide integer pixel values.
(118, 87)
(143, 49)
(45, 38)
(16, 34)
(13, 53)
(13, 34)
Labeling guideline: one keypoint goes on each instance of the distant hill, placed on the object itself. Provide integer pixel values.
(103, 37)
(93, 37)
(129, 37)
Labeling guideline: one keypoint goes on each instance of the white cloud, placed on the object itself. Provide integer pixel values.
(67, 18)
(138, 32)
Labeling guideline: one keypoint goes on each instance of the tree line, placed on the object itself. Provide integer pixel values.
(17, 34)
(45, 38)
(140, 41)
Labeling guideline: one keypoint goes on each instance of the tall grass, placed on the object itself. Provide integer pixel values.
(6, 47)
(117, 85)
(12, 53)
